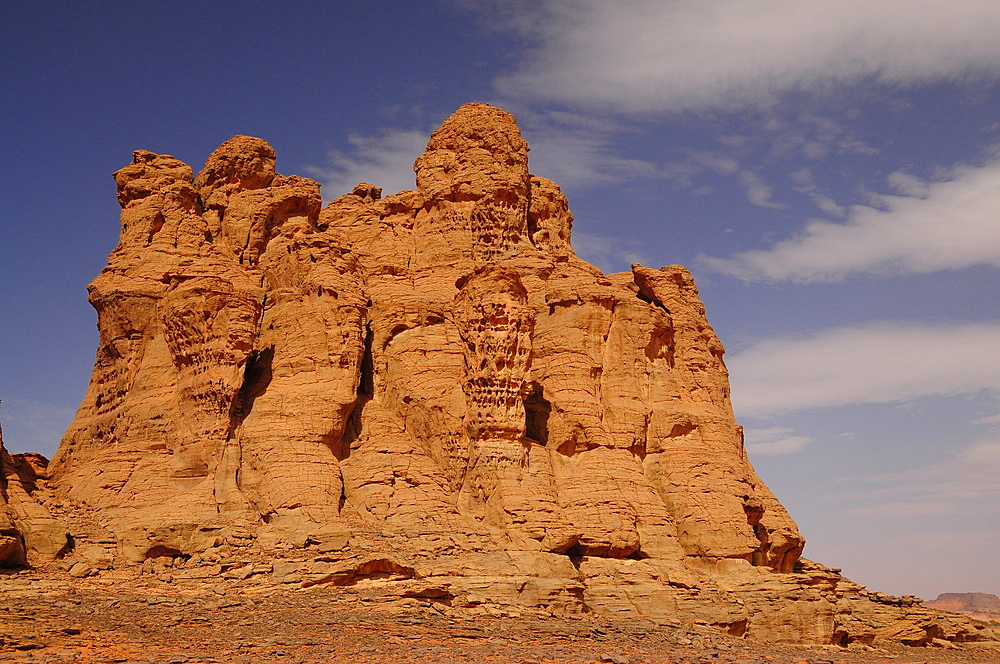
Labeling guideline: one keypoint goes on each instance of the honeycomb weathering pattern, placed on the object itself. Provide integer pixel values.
(431, 366)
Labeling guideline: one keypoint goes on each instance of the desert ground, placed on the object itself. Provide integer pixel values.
(48, 616)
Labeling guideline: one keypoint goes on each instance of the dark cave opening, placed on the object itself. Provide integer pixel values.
(256, 378)
(536, 415)
(649, 300)
(366, 390)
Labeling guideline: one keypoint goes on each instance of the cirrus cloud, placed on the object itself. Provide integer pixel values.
(773, 441)
(654, 56)
(963, 483)
(949, 224)
(384, 160)
(878, 363)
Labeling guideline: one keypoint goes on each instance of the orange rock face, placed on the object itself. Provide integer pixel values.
(26, 526)
(11, 541)
(433, 373)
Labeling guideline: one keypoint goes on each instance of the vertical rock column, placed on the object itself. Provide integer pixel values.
(495, 323)
(722, 509)
(300, 382)
(508, 473)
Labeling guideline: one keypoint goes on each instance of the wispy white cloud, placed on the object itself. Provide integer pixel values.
(694, 163)
(571, 149)
(757, 191)
(805, 182)
(688, 171)
(650, 55)
(963, 484)
(826, 204)
(384, 160)
(774, 441)
(906, 184)
(611, 254)
(810, 135)
(950, 225)
(878, 363)
(575, 150)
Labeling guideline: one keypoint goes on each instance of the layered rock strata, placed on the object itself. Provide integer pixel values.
(433, 375)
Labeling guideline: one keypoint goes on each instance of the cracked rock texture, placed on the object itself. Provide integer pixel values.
(436, 377)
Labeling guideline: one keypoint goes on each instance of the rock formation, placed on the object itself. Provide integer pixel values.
(25, 524)
(11, 541)
(981, 606)
(436, 378)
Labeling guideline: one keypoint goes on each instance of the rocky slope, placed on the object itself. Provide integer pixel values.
(429, 387)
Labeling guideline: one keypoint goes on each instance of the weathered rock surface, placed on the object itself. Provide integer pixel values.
(25, 524)
(11, 541)
(431, 383)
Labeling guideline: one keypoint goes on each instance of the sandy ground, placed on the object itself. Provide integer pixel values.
(57, 619)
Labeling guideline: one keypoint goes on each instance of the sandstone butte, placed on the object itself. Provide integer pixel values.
(430, 389)
(982, 606)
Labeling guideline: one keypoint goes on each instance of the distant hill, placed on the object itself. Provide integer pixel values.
(982, 606)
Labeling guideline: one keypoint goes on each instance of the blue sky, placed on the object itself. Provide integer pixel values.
(829, 170)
